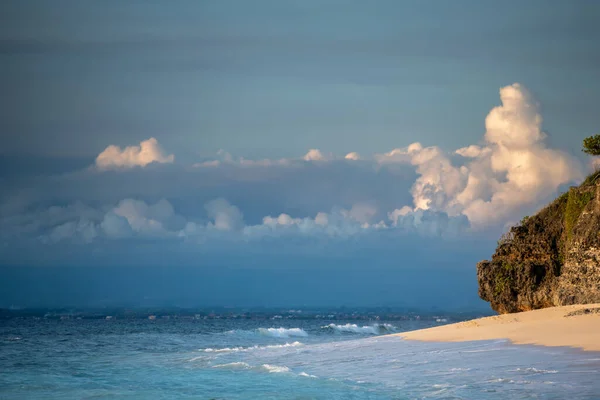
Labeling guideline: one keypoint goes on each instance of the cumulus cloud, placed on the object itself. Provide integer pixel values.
(82, 229)
(315, 155)
(115, 226)
(150, 220)
(514, 167)
(339, 223)
(427, 222)
(416, 189)
(226, 217)
(82, 223)
(131, 218)
(147, 152)
(352, 156)
(473, 151)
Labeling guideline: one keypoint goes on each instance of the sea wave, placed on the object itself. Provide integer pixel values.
(306, 375)
(238, 349)
(272, 332)
(533, 370)
(274, 369)
(234, 365)
(270, 368)
(376, 329)
(282, 332)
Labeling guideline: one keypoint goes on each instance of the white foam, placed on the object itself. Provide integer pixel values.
(233, 365)
(270, 368)
(237, 349)
(275, 369)
(306, 375)
(282, 332)
(536, 371)
(365, 330)
(224, 350)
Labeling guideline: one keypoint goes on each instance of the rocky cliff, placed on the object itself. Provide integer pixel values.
(549, 259)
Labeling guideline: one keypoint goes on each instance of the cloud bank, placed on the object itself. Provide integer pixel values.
(413, 190)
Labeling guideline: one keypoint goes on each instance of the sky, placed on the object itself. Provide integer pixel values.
(282, 152)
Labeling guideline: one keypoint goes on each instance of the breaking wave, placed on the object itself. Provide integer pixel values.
(270, 368)
(237, 349)
(306, 375)
(272, 332)
(282, 332)
(274, 368)
(233, 365)
(533, 370)
(376, 329)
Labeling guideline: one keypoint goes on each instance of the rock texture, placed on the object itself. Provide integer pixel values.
(551, 258)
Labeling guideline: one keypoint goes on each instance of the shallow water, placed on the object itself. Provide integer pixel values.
(239, 359)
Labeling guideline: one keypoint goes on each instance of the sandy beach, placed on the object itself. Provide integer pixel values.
(574, 326)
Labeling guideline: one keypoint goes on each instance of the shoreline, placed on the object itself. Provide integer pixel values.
(565, 326)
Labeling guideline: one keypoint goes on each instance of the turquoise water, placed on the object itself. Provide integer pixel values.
(238, 359)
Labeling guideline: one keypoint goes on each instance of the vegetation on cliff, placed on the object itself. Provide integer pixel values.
(549, 259)
(591, 145)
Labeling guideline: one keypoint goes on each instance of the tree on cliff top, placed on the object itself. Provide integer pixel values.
(591, 145)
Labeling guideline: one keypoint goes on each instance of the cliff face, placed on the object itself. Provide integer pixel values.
(551, 258)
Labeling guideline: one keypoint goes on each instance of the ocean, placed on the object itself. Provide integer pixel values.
(277, 358)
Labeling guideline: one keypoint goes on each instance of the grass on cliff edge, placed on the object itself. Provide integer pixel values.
(576, 202)
(577, 199)
(592, 179)
(555, 223)
(569, 204)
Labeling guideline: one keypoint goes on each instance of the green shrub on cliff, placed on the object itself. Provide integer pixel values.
(591, 145)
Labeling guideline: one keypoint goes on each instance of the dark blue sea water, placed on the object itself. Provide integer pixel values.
(275, 359)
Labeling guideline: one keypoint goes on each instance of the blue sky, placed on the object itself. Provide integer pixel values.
(212, 108)
(272, 79)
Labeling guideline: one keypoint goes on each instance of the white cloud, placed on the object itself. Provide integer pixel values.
(147, 152)
(143, 218)
(352, 156)
(428, 222)
(225, 158)
(115, 226)
(514, 168)
(339, 223)
(363, 212)
(314, 155)
(488, 183)
(83, 229)
(473, 151)
(129, 218)
(243, 162)
(136, 219)
(395, 215)
(225, 216)
(45, 221)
